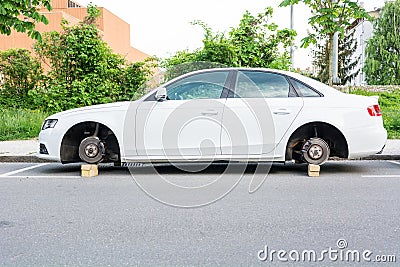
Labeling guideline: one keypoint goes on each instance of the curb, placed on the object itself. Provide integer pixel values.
(34, 159)
(23, 159)
(382, 157)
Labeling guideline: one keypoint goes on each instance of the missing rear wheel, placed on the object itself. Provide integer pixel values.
(315, 151)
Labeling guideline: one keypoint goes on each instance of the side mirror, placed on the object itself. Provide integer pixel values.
(161, 94)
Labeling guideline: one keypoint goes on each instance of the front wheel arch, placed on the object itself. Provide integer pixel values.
(69, 150)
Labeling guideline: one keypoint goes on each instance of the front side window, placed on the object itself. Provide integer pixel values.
(199, 86)
(258, 84)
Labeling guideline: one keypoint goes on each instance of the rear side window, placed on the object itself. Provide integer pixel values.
(258, 84)
(305, 90)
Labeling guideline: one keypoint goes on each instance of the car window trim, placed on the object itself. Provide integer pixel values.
(292, 89)
(291, 79)
(229, 88)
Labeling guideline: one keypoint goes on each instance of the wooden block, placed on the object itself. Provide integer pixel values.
(313, 174)
(88, 167)
(89, 170)
(313, 168)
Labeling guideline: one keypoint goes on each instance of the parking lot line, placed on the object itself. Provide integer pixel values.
(394, 162)
(381, 176)
(24, 169)
(39, 177)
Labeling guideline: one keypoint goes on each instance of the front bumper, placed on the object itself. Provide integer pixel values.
(49, 145)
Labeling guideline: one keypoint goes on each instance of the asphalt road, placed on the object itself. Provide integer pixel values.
(50, 216)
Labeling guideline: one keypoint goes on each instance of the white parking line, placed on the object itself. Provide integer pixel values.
(380, 176)
(384, 176)
(24, 169)
(40, 177)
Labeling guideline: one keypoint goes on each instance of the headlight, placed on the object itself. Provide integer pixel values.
(49, 124)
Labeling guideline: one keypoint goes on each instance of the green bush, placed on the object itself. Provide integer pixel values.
(21, 74)
(255, 42)
(390, 105)
(83, 69)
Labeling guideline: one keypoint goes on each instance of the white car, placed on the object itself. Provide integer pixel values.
(233, 114)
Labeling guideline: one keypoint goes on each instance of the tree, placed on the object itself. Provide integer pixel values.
(329, 17)
(255, 42)
(22, 15)
(347, 64)
(382, 65)
(83, 69)
(216, 47)
(321, 60)
(21, 73)
(217, 51)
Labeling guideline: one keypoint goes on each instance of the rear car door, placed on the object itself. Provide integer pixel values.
(258, 113)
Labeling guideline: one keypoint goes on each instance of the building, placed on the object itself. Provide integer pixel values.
(363, 32)
(114, 30)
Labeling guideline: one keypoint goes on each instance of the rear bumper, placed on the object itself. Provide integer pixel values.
(366, 142)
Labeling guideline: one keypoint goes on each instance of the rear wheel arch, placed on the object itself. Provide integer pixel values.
(337, 142)
(69, 150)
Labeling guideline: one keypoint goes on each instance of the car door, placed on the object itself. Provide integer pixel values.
(188, 123)
(258, 113)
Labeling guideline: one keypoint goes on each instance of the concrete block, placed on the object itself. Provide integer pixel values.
(89, 170)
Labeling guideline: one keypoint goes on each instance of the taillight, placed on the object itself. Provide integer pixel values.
(374, 110)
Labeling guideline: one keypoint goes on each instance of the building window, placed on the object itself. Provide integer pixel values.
(72, 4)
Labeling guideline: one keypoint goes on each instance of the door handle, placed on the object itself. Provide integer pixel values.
(209, 113)
(282, 111)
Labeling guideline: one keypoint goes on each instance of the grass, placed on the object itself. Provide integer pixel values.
(390, 105)
(18, 124)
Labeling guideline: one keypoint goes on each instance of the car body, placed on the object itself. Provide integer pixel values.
(235, 114)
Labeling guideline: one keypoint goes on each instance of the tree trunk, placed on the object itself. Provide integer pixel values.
(330, 56)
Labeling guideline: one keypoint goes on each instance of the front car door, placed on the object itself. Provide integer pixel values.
(188, 123)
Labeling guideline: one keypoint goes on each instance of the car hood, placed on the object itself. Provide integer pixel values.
(121, 106)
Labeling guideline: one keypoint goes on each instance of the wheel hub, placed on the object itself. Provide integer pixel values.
(315, 152)
(91, 150)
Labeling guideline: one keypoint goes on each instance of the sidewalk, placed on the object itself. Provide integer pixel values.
(19, 151)
(25, 151)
